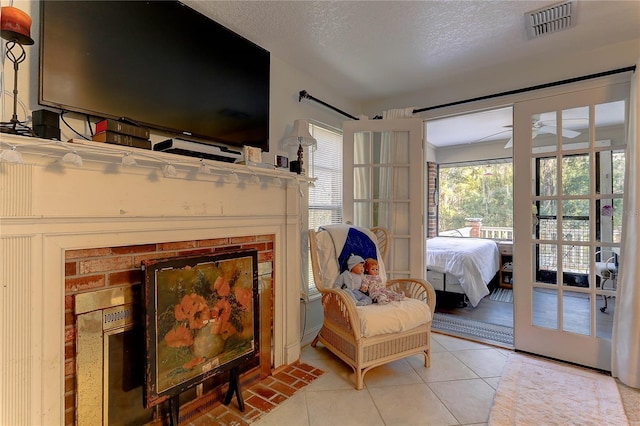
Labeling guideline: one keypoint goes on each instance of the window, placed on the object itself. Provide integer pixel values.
(582, 206)
(476, 199)
(325, 197)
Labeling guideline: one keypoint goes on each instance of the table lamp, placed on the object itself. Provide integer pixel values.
(299, 137)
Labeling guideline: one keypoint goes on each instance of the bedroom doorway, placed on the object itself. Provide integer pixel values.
(568, 204)
(471, 196)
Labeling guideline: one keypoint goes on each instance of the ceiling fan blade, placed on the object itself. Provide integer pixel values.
(491, 136)
(567, 133)
(548, 130)
(534, 132)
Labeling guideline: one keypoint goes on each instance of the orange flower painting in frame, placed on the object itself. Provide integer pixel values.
(201, 319)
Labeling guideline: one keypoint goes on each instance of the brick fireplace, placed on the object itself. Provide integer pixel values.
(114, 273)
(68, 230)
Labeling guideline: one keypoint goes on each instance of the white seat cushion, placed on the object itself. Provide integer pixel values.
(392, 317)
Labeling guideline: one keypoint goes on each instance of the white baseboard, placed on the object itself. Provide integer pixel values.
(309, 335)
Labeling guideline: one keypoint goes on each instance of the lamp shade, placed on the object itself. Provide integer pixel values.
(15, 25)
(300, 135)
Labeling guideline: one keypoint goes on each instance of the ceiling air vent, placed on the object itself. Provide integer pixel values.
(551, 19)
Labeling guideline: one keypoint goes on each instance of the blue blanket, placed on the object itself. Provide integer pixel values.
(348, 240)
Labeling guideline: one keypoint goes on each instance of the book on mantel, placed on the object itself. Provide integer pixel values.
(108, 125)
(121, 139)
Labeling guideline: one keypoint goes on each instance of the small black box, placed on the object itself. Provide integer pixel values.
(295, 167)
(47, 132)
(44, 117)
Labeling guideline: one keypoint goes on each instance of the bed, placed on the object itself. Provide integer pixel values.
(462, 265)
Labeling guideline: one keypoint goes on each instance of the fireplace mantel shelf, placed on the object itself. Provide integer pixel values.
(96, 154)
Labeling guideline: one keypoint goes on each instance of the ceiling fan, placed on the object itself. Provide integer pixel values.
(539, 127)
(540, 124)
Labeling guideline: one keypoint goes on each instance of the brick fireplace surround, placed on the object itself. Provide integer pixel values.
(88, 271)
(66, 230)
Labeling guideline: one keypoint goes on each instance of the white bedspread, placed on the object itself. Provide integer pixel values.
(473, 261)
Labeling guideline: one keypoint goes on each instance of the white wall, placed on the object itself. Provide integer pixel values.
(472, 152)
(465, 85)
(484, 82)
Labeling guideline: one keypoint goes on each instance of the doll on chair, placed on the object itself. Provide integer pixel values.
(378, 292)
(352, 281)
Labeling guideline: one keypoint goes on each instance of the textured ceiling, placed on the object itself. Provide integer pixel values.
(371, 50)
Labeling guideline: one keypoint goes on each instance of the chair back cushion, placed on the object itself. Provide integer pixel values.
(335, 243)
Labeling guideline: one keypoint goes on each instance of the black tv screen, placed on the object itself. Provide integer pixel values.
(159, 64)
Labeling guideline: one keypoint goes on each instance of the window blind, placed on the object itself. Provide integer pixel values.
(325, 198)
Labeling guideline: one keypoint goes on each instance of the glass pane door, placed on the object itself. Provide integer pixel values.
(384, 187)
(570, 163)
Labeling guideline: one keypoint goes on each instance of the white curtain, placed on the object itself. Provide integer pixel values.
(626, 324)
(388, 156)
(392, 114)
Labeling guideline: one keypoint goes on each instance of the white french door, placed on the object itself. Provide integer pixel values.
(568, 182)
(384, 186)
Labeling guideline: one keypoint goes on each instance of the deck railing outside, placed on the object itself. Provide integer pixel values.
(496, 233)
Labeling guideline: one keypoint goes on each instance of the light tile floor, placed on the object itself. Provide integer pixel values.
(458, 389)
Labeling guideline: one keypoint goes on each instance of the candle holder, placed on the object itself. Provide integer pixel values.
(15, 27)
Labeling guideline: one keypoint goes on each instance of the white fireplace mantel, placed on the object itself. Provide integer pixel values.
(47, 207)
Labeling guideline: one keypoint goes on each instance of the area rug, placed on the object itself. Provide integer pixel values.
(464, 327)
(502, 295)
(534, 391)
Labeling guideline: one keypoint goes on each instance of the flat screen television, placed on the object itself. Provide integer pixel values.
(159, 64)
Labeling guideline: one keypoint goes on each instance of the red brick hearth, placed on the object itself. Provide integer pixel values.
(260, 398)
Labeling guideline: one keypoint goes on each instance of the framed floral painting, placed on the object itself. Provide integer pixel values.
(201, 319)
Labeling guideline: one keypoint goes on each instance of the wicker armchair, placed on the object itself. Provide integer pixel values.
(382, 240)
(343, 332)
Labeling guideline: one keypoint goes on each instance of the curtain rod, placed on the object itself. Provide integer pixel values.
(530, 88)
(304, 94)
